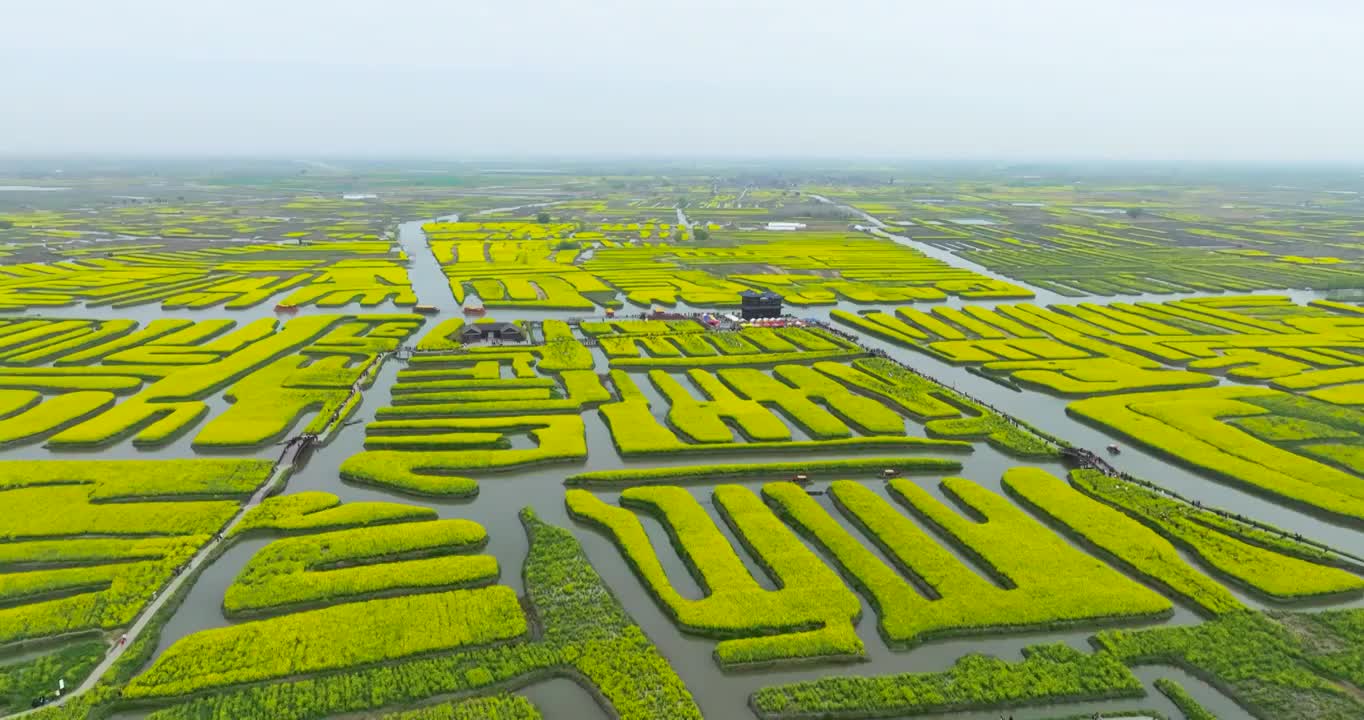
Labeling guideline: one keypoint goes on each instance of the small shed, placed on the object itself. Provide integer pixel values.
(754, 305)
(479, 332)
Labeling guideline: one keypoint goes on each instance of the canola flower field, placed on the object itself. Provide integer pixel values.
(520, 454)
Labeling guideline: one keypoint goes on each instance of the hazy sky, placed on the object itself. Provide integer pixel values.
(1275, 80)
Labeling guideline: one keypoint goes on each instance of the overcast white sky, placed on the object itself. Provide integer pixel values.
(1253, 80)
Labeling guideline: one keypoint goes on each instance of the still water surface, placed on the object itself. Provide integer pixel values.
(720, 694)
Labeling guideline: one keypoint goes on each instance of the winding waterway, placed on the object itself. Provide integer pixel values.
(721, 695)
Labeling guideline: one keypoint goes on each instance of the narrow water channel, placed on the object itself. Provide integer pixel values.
(718, 692)
(429, 282)
(722, 694)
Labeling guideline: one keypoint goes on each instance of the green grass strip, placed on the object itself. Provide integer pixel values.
(1047, 674)
(497, 707)
(1183, 700)
(730, 470)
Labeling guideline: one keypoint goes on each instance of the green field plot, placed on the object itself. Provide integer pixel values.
(1267, 562)
(1033, 346)
(944, 412)
(1334, 639)
(637, 431)
(562, 351)
(290, 645)
(268, 403)
(344, 565)
(1048, 674)
(1028, 577)
(153, 383)
(807, 268)
(456, 414)
(1183, 700)
(497, 707)
(688, 348)
(429, 471)
(1090, 349)
(443, 336)
(810, 616)
(317, 511)
(533, 265)
(862, 404)
(1248, 556)
(213, 277)
(22, 681)
(455, 411)
(87, 543)
(310, 222)
(514, 264)
(1133, 545)
(1129, 242)
(1280, 665)
(1191, 427)
(584, 635)
(890, 499)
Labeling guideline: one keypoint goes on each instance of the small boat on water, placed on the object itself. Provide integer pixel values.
(286, 309)
(476, 310)
(1114, 449)
(425, 309)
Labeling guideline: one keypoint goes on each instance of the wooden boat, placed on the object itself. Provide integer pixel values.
(477, 310)
(425, 309)
(286, 309)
